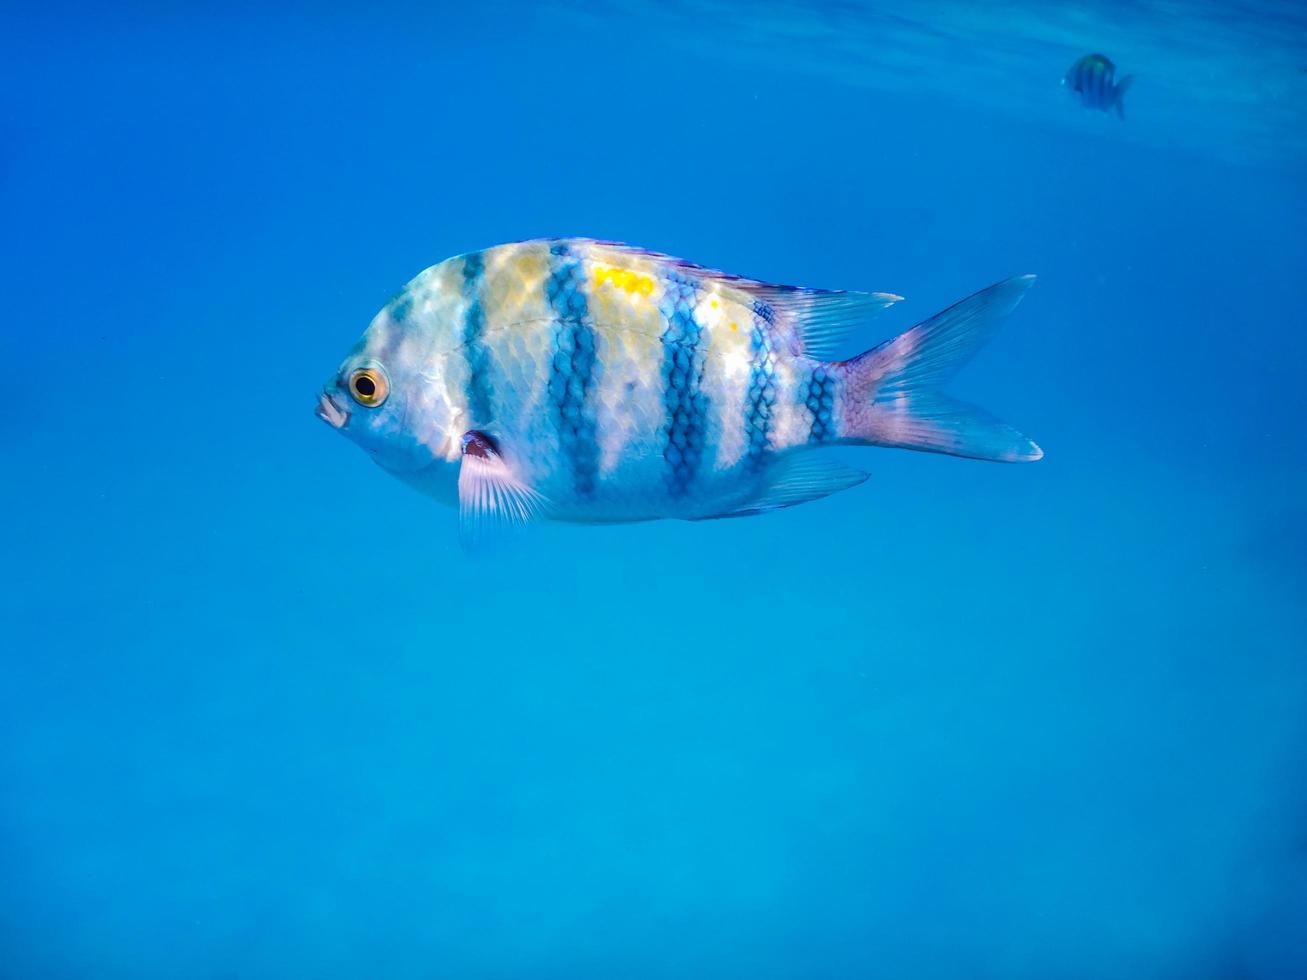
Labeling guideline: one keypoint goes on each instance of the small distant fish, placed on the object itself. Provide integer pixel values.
(1091, 80)
(589, 381)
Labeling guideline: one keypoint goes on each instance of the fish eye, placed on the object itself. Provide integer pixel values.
(369, 387)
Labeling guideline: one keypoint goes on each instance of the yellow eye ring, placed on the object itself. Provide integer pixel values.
(368, 387)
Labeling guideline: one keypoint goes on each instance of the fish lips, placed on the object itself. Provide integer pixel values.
(330, 412)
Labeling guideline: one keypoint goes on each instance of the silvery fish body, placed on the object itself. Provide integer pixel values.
(589, 381)
(1092, 80)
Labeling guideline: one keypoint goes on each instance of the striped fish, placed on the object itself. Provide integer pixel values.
(590, 381)
(1090, 80)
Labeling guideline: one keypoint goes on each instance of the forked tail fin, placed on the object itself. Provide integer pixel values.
(893, 396)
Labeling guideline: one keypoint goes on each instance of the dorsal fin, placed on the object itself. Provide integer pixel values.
(821, 319)
(818, 320)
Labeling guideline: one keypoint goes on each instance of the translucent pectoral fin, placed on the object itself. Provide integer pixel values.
(489, 491)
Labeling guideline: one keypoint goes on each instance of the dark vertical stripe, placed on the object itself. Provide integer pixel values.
(1104, 71)
(401, 306)
(573, 370)
(474, 348)
(760, 398)
(819, 398)
(684, 401)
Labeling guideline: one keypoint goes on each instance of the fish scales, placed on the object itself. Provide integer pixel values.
(642, 368)
(597, 382)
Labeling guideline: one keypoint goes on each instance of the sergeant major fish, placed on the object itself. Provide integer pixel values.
(589, 381)
(1090, 79)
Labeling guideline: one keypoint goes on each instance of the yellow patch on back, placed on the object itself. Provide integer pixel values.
(628, 280)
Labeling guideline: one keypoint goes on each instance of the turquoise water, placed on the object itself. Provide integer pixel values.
(261, 715)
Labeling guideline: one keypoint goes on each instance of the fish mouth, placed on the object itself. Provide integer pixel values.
(330, 412)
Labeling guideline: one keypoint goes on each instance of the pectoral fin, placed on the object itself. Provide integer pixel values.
(489, 490)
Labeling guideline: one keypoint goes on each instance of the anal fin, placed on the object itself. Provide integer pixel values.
(797, 479)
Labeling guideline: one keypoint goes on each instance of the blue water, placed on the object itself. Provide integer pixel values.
(261, 715)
